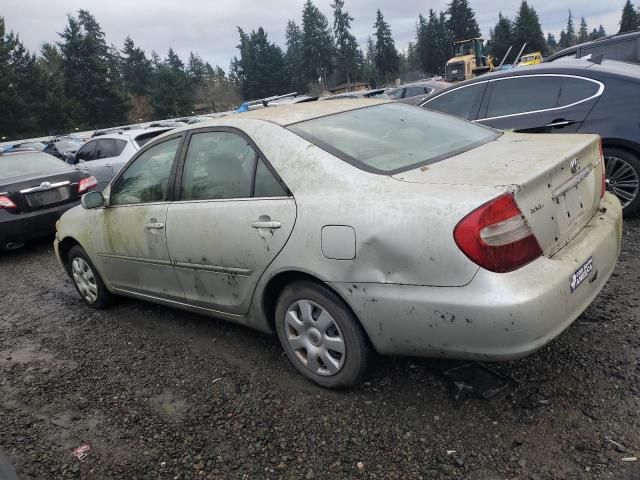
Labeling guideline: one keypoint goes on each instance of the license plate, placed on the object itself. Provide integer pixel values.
(581, 274)
(48, 196)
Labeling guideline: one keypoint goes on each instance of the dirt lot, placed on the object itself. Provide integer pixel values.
(162, 394)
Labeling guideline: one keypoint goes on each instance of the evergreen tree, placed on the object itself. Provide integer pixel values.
(527, 29)
(387, 59)
(630, 18)
(196, 69)
(52, 109)
(171, 93)
(136, 69)
(501, 38)
(91, 83)
(413, 62)
(569, 39)
(261, 67)
(601, 32)
(583, 33)
(444, 43)
(369, 70)
(317, 44)
(462, 21)
(294, 57)
(348, 58)
(551, 41)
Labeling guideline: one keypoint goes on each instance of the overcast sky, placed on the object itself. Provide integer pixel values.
(208, 27)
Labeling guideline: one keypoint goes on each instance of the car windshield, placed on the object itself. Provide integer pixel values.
(393, 137)
(19, 164)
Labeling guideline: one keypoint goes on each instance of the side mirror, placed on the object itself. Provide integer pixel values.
(92, 200)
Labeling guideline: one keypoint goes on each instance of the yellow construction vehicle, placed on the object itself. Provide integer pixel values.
(468, 61)
(530, 59)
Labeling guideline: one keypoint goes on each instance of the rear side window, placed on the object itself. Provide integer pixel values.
(105, 148)
(458, 102)
(525, 94)
(576, 89)
(119, 146)
(415, 91)
(87, 152)
(266, 184)
(392, 137)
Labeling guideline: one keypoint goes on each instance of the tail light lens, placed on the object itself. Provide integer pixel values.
(86, 184)
(603, 185)
(497, 237)
(6, 202)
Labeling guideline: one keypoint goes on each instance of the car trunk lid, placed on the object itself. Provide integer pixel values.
(556, 180)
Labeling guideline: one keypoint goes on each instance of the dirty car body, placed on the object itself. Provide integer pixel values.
(436, 236)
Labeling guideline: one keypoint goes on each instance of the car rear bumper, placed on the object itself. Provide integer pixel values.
(28, 226)
(497, 316)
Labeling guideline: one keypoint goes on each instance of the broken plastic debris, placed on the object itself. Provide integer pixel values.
(450, 452)
(360, 466)
(534, 400)
(630, 459)
(477, 380)
(82, 451)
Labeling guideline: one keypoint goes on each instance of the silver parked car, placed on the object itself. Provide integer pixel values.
(104, 155)
(355, 226)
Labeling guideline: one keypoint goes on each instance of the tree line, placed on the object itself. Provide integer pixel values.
(82, 82)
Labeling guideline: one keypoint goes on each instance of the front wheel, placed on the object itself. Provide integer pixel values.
(622, 170)
(321, 337)
(87, 280)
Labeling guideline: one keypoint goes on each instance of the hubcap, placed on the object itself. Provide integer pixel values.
(85, 280)
(621, 180)
(315, 338)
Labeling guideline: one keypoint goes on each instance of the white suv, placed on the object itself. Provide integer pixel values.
(104, 155)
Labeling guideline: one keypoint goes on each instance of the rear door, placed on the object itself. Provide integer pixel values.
(545, 103)
(463, 102)
(232, 217)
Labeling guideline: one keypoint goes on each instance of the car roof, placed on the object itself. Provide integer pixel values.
(604, 40)
(133, 133)
(288, 114)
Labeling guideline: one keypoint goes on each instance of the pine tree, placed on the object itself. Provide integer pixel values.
(630, 18)
(413, 62)
(387, 59)
(369, 70)
(462, 20)
(569, 38)
(196, 69)
(501, 38)
(527, 29)
(294, 57)
(348, 58)
(52, 109)
(444, 43)
(171, 94)
(91, 84)
(551, 41)
(601, 32)
(317, 44)
(583, 33)
(136, 69)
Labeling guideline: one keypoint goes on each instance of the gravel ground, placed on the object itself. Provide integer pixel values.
(163, 394)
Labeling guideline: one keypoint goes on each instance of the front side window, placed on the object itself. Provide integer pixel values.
(392, 137)
(458, 102)
(87, 152)
(218, 165)
(146, 180)
(524, 94)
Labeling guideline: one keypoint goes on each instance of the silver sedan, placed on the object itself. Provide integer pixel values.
(354, 227)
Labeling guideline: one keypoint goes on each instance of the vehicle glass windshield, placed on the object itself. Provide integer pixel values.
(16, 165)
(393, 137)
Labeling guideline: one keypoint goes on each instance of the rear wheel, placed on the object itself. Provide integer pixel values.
(321, 337)
(87, 280)
(622, 170)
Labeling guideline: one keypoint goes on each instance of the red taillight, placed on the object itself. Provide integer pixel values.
(496, 236)
(86, 184)
(603, 185)
(5, 202)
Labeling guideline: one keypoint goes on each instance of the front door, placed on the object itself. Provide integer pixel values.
(129, 234)
(232, 218)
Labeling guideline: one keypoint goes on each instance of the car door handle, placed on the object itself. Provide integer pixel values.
(559, 123)
(268, 224)
(154, 225)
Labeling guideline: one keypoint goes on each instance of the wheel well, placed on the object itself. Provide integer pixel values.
(278, 283)
(621, 145)
(63, 249)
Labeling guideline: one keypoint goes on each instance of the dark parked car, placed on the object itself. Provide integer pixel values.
(35, 189)
(562, 97)
(414, 93)
(623, 46)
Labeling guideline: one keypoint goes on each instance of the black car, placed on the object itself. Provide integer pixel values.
(576, 96)
(622, 46)
(35, 189)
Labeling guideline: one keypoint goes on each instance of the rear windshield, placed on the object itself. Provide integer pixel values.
(147, 137)
(393, 137)
(19, 164)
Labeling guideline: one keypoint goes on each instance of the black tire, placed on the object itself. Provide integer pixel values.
(103, 298)
(357, 348)
(634, 162)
